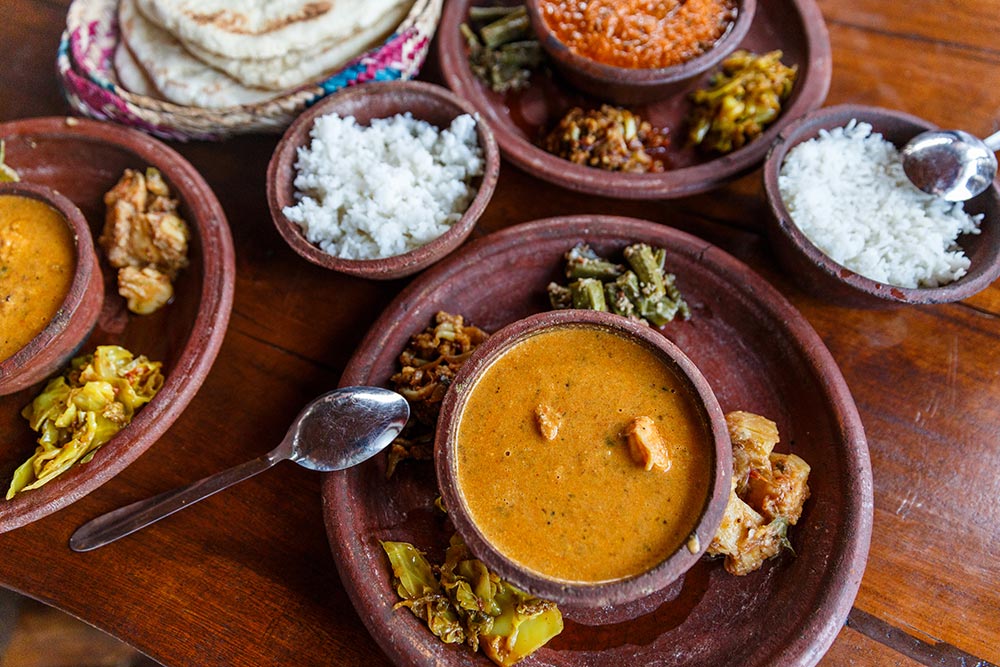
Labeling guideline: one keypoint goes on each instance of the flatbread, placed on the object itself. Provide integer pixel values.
(294, 68)
(131, 75)
(264, 29)
(179, 76)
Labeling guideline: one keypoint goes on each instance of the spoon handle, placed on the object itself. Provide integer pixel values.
(993, 142)
(126, 520)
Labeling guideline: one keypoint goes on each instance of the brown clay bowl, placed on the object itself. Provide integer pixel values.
(575, 594)
(625, 85)
(425, 101)
(73, 322)
(820, 275)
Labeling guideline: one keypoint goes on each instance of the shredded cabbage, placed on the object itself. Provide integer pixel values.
(78, 412)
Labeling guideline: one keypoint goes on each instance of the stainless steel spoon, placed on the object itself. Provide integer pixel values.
(951, 164)
(336, 431)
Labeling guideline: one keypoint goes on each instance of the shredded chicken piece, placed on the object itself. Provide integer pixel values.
(781, 491)
(745, 539)
(646, 445)
(768, 492)
(754, 437)
(145, 289)
(142, 230)
(549, 420)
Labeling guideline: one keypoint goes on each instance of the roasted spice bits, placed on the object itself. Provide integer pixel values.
(639, 34)
(741, 100)
(608, 138)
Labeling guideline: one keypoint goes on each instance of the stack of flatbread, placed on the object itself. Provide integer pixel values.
(221, 53)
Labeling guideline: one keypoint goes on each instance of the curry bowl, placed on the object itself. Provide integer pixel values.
(41, 342)
(636, 85)
(818, 273)
(424, 102)
(566, 492)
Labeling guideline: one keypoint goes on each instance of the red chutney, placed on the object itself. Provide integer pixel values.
(639, 34)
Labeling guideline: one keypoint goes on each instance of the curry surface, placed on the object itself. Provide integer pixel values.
(578, 508)
(37, 264)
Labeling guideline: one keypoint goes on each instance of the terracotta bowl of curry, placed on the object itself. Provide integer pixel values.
(633, 55)
(51, 289)
(583, 457)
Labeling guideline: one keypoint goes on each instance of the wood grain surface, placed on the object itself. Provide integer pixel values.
(246, 577)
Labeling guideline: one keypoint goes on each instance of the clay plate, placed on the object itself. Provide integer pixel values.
(757, 352)
(519, 119)
(819, 274)
(82, 159)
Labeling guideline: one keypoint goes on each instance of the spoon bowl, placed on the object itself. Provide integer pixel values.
(340, 429)
(951, 164)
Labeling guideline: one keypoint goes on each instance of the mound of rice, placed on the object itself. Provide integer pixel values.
(847, 192)
(378, 191)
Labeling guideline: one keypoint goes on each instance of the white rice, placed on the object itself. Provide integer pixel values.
(378, 191)
(847, 192)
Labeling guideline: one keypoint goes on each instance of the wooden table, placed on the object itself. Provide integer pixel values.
(246, 577)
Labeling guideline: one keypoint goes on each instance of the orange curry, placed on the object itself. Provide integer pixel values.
(37, 264)
(543, 461)
(639, 34)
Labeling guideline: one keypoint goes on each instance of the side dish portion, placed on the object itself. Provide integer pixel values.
(769, 490)
(642, 291)
(145, 239)
(78, 412)
(462, 601)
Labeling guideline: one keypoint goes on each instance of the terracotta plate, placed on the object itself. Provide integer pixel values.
(519, 119)
(83, 159)
(758, 353)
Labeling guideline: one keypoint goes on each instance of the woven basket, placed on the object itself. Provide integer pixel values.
(91, 86)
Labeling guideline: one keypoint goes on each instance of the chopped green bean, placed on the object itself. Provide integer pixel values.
(588, 294)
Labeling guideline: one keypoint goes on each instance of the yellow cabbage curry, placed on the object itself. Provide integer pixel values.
(547, 461)
(37, 263)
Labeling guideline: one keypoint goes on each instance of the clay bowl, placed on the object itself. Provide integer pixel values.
(52, 347)
(819, 274)
(625, 85)
(424, 101)
(578, 595)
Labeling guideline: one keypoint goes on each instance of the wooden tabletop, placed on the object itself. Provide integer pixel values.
(246, 577)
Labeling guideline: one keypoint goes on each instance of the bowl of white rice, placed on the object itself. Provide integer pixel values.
(382, 180)
(850, 227)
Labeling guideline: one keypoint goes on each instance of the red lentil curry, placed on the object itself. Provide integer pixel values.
(37, 264)
(639, 34)
(545, 468)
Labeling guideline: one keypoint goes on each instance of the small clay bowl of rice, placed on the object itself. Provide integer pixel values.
(849, 227)
(594, 47)
(382, 180)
